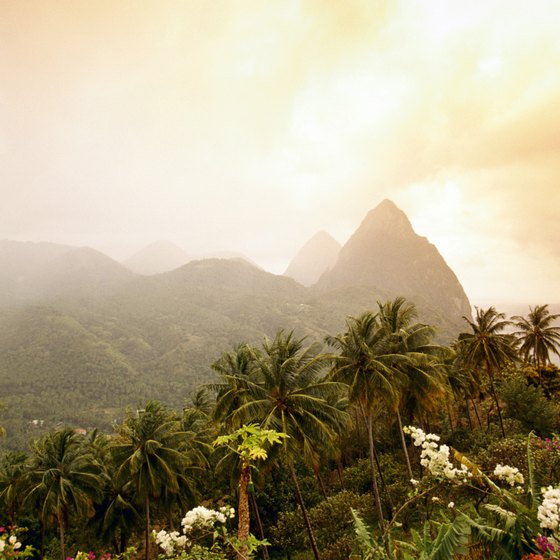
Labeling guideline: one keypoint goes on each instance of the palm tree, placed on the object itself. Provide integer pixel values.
(418, 364)
(13, 467)
(487, 347)
(285, 393)
(149, 453)
(116, 516)
(538, 336)
(64, 479)
(364, 363)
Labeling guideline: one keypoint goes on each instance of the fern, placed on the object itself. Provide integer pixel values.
(362, 531)
(452, 538)
(532, 483)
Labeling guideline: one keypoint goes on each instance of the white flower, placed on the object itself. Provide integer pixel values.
(549, 511)
(414, 482)
(17, 545)
(12, 539)
(2, 544)
(451, 505)
(435, 457)
(508, 474)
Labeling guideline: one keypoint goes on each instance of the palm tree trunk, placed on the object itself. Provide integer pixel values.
(243, 524)
(493, 390)
(467, 406)
(477, 414)
(304, 513)
(450, 416)
(61, 532)
(42, 553)
(259, 525)
(405, 449)
(369, 423)
(147, 535)
(320, 482)
(384, 487)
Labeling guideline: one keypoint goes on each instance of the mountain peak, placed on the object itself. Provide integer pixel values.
(386, 254)
(386, 217)
(317, 256)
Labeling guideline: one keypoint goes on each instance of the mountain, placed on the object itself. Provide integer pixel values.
(158, 257)
(38, 271)
(386, 254)
(317, 256)
(88, 336)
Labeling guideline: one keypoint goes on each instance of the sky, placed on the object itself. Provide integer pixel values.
(248, 126)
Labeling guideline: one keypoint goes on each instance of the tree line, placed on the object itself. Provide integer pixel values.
(334, 403)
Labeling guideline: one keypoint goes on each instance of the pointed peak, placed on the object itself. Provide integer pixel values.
(387, 217)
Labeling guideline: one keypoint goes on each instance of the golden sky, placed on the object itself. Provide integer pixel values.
(250, 125)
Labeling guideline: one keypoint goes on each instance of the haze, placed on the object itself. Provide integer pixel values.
(248, 126)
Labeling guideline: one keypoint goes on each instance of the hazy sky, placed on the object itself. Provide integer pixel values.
(250, 125)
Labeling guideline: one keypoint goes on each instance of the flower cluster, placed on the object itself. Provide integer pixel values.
(549, 511)
(508, 474)
(10, 545)
(170, 542)
(199, 518)
(546, 544)
(547, 443)
(435, 457)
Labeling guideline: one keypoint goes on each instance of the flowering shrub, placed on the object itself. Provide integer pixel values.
(508, 474)
(130, 551)
(10, 545)
(549, 510)
(204, 536)
(435, 457)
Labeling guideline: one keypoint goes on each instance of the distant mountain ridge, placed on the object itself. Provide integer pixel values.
(35, 271)
(159, 256)
(317, 256)
(81, 336)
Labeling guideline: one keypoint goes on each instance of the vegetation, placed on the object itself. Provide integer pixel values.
(380, 443)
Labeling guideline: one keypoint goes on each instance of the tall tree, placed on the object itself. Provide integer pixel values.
(487, 348)
(149, 451)
(538, 335)
(365, 364)
(286, 393)
(418, 364)
(13, 468)
(64, 479)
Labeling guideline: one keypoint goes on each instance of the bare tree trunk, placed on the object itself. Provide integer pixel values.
(61, 532)
(304, 513)
(405, 449)
(320, 482)
(369, 421)
(384, 486)
(469, 413)
(259, 524)
(450, 416)
(147, 535)
(493, 390)
(477, 414)
(243, 519)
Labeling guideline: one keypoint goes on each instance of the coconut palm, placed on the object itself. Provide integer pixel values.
(149, 452)
(64, 479)
(365, 364)
(538, 335)
(419, 364)
(13, 467)
(285, 392)
(487, 348)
